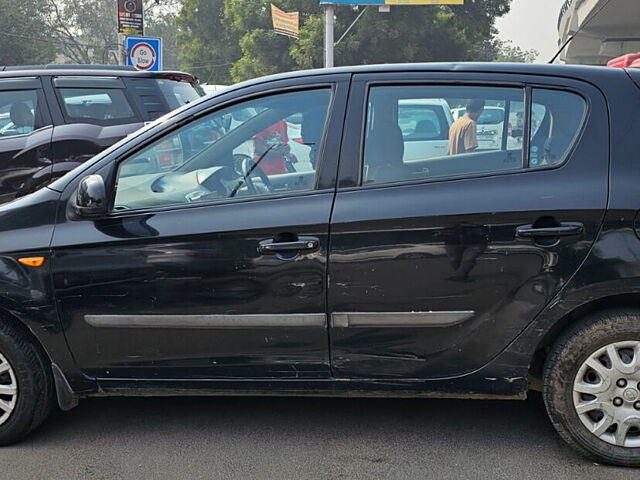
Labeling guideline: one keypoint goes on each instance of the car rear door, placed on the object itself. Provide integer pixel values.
(436, 267)
(91, 113)
(195, 285)
(25, 136)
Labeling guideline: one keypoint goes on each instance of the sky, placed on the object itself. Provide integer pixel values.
(532, 24)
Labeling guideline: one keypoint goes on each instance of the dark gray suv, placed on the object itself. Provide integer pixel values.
(54, 117)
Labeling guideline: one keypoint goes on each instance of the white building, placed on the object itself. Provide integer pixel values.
(612, 32)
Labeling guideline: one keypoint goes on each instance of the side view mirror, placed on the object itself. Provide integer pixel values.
(91, 197)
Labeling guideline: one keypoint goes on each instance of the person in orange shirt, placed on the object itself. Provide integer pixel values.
(463, 134)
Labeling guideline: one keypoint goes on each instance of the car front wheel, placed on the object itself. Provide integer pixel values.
(26, 384)
(592, 387)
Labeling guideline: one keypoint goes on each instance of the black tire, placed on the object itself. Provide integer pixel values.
(570, 351)
(33, 374)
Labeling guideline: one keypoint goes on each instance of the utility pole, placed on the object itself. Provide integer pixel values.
(329, 15)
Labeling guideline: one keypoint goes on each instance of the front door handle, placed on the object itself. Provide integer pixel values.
(563, 230)
(303, 244)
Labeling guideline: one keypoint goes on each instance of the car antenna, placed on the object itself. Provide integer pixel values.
(587, 22)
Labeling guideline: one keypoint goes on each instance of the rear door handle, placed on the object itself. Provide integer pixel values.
(303, 244)
(563, 230)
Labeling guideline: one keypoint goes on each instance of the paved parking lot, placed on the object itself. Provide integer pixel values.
(299, 438)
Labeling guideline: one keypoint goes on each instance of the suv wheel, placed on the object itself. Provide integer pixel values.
(592, 387)
(26, 385)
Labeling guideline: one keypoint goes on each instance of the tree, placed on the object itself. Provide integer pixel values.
(207, 45)
(508, 52)
(233, 40)
(87, 31)
(21, 32)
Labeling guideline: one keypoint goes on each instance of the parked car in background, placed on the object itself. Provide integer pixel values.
(425, 127)
(209, 88)
(475, 275)
(55, 117)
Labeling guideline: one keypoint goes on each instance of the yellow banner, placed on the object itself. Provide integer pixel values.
(285, 23)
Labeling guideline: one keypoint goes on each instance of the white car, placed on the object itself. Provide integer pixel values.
(425, 127)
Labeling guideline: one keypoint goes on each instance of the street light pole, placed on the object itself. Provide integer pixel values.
(329, 14)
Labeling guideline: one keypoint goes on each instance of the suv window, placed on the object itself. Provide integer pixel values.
(402, 143)
(96, 104)
(262, 146)
(19, 113)
(556, 120)
(178, 94)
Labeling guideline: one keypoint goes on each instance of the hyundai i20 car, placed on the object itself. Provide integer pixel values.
(192, 259)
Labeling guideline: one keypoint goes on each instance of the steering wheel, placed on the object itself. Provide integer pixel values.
(247, 168)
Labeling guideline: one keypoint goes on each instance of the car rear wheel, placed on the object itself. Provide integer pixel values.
(592, 387)
(26, 385)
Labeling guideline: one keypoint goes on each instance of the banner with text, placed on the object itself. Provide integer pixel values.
(130, 17)
(285, 23)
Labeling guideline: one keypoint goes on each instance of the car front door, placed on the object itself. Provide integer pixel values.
(212, 263)
(435, 266)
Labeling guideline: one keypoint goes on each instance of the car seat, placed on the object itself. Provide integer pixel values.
(425, 130)
(383, 153)
(21, 116)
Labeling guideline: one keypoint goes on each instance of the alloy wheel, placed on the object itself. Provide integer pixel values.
(8, 390)
(606, 393)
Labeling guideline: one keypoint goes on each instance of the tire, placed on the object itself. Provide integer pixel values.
(567, 377)
(31, 373)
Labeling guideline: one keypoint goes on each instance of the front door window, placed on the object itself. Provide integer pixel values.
(258, 147)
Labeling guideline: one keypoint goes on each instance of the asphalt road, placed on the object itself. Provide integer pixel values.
(299, 438)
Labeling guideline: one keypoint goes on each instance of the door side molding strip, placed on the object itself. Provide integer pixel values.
(400, 319)
(208, 321)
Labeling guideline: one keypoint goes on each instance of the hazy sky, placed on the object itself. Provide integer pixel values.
(532, 24)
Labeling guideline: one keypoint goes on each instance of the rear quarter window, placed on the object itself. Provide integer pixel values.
(96, 105)
(557, 118)
(178, 94)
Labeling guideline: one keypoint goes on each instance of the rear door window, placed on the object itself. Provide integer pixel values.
(97, 105)
(19, 112)
(411, 132)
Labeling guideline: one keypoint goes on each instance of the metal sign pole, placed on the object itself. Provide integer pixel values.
(329, 13)
(122, 52)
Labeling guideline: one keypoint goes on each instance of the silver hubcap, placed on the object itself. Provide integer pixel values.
(8, 390)
(606, 394)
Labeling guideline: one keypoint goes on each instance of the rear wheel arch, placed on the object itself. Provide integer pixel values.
(613, 302)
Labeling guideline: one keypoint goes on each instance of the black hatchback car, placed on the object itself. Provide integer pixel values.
(55, 117)
(484, 274)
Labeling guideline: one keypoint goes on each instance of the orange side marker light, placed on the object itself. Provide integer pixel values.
(31, 261)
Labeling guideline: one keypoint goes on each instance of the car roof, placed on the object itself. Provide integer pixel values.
(84, 70)
(585, 72)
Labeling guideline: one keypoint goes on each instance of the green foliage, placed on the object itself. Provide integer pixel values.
(22, 27)
(508, 52)
(207, 47)
(233, 40)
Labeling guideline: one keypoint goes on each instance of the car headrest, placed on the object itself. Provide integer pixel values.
(426, 128)
(385, 145)
(21, 115)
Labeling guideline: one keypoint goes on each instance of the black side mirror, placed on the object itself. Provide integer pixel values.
(91, 197)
